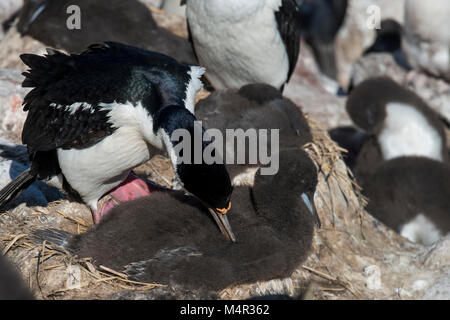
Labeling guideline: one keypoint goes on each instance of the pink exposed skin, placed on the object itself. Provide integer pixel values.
(131, 188)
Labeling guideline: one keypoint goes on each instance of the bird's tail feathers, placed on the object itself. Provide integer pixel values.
(55, 236)
(15, 187)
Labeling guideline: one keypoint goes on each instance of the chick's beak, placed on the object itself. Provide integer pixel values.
(221, 219)
(308, 199)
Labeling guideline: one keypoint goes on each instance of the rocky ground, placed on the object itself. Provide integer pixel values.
(353, 255)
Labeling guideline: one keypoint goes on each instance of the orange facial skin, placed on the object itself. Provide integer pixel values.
(224, 210)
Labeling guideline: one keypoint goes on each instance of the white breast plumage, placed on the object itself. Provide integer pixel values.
(113, 156)
(249, 34)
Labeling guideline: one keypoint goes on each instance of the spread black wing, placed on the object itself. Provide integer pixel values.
(59, 81)
(288, 19)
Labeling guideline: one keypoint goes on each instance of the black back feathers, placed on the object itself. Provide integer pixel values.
(130, 22)
(169, 238)
(65, 105)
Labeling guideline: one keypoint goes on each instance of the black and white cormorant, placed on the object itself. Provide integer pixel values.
(92, 117)
(242, 42)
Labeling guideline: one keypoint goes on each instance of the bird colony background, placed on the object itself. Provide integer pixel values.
(353, 256)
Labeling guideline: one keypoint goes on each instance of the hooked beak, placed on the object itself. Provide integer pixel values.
(221, 219)
(308, 199)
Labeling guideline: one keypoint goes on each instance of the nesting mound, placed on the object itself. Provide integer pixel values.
(170, 238)
(54, 273)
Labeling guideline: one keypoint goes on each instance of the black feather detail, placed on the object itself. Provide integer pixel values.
(95, 47)
(55, 236)
(104, 73)
(122, 21)
(66, 130)
(44, 164)
(288, 20)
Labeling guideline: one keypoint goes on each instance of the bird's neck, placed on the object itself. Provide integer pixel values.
(179, 130)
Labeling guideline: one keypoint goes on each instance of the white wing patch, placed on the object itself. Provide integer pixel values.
(133, 116)
(194, 86)
(74, 107)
